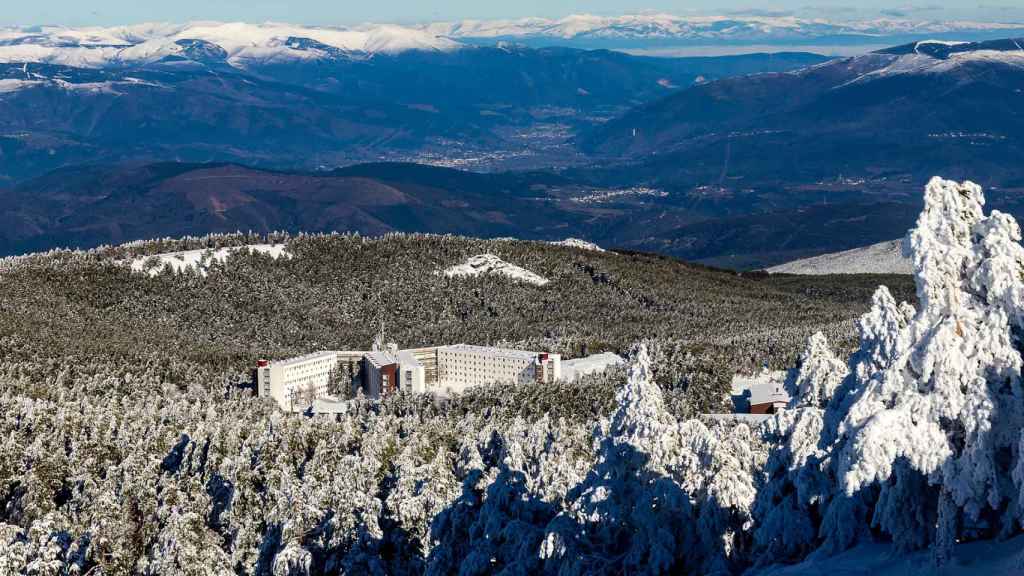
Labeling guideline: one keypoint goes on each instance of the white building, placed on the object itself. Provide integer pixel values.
(464, 366)
(297, 383)
(412, 374)
(294, 383)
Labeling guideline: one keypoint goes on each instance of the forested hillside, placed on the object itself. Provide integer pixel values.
(133, 441)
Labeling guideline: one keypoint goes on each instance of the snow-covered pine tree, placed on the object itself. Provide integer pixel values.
(819, 374)
(924, 434)
(950, 405)
(628, 516)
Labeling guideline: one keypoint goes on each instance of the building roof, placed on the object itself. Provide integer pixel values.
(381, 358)
(768, 393)
(765, 387)
(490, 351)
(306, 358)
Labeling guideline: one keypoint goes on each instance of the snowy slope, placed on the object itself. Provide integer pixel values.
(984, 557)
(199, 261)
(936, 57)
(882, 258)
(491, 264)
(238, 43)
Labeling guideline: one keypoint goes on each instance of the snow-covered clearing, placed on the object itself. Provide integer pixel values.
(881, 258)
(200, 260)
(491, 264)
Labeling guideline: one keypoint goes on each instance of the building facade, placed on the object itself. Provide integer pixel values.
(464, 366)
(294, 383)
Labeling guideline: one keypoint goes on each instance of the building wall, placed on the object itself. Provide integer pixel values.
(294, 383)
(290, 382)
(428, 358)
(767, 407)
(459, 369)
(412, 378)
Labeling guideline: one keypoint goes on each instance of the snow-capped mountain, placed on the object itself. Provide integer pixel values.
(236, 43)
(313, 98)
(916, 109)
(706, 29)
(241, 44)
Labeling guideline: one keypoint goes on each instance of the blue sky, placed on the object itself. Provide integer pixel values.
(107, 12)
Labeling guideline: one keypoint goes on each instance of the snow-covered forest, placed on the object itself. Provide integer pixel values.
(133, 443)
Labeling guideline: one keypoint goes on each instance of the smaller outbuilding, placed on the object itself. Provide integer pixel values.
(761, 393)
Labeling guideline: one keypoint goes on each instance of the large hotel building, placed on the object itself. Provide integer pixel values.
(294, 383)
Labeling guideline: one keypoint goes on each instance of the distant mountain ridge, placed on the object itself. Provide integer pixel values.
(196, 101)
(637, 29)
(245, 44)
(237, 43)
(912, 111)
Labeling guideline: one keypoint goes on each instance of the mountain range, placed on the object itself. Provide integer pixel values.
(640, 31)
(263, 95)
(244, 43)
(745, 161)
(907, 112)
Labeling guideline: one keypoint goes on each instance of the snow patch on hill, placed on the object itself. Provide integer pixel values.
(491, 264)
(882, 258)
(200, 261)
(581, 244)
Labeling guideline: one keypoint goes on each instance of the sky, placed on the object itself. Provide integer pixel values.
(349, 12)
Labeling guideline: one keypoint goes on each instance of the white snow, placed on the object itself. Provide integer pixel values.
(579, 367)
(881, 258)
(581, 244)
(243, 42)
(970, 559)
(199, 261)
(491, 264)
(693, 27)
(918, 63)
